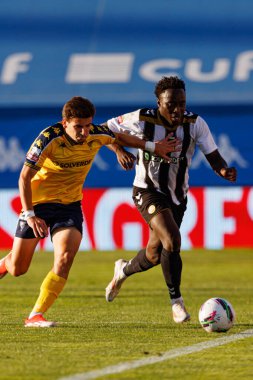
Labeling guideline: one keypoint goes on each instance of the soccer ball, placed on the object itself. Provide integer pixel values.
(216, 315)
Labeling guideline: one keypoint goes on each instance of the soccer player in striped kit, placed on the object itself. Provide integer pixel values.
(160, 186)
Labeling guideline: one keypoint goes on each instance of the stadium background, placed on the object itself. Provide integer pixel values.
(113, 53)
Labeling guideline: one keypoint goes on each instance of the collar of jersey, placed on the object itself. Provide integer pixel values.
(71, 141)
(165, 122)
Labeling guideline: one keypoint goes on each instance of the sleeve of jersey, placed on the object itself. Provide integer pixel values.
(204, 138)
(106, 136)
(127, 123)
(38, 152)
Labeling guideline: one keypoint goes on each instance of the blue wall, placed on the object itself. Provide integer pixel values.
(113, 52)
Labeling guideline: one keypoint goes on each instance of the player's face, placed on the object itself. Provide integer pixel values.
(78, 129)
(171, 104)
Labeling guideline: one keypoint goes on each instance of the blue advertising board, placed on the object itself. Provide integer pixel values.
(232, 128)
(113, 52)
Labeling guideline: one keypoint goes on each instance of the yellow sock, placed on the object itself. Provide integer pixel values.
(50, 289)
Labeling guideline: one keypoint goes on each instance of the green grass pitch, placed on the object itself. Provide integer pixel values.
(93, 334)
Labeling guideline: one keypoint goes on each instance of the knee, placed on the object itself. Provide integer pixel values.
(172, 243)
(154, 259)
(67, 258)
(63, 263)
(153, 254)
(17, 271)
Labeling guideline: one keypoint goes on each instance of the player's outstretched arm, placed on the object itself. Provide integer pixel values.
(125, 159)
(161, 148)
(220, 166)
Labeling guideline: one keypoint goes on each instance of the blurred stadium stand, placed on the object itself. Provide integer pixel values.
(113, 53)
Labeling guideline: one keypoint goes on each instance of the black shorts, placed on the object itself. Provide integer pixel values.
(56, 215)
(150, 202)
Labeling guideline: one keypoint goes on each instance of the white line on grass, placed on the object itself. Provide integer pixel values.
(121, 367)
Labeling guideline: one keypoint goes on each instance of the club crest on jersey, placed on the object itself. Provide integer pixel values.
(151, 209)
(34, 154)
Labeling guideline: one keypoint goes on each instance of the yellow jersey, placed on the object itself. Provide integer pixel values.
(63, 164)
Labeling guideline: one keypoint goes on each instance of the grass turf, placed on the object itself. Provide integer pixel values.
(93, 334)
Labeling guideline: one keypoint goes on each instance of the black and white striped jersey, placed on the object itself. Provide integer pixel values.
(151, 170)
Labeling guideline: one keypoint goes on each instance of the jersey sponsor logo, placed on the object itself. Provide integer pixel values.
(175, 160)
(152, 157)
(66, 165)
(34, 154)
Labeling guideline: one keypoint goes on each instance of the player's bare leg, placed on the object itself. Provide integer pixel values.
(66, 244)
(18, 261)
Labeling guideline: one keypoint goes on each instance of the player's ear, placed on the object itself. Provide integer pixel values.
(158, 102)
(64, 122)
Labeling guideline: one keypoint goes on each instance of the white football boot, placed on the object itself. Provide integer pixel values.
(179, 312)
(119, 277)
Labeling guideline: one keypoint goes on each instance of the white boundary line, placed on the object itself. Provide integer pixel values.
(121, 367)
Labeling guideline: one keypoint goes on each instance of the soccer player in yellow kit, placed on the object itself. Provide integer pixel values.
(50, 186)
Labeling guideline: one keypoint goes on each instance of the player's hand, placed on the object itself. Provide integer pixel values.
(169, 144)
(229, 173)
(39, 226)
(125, 159)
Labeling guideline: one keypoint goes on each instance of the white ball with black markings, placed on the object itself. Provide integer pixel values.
(216, 315)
